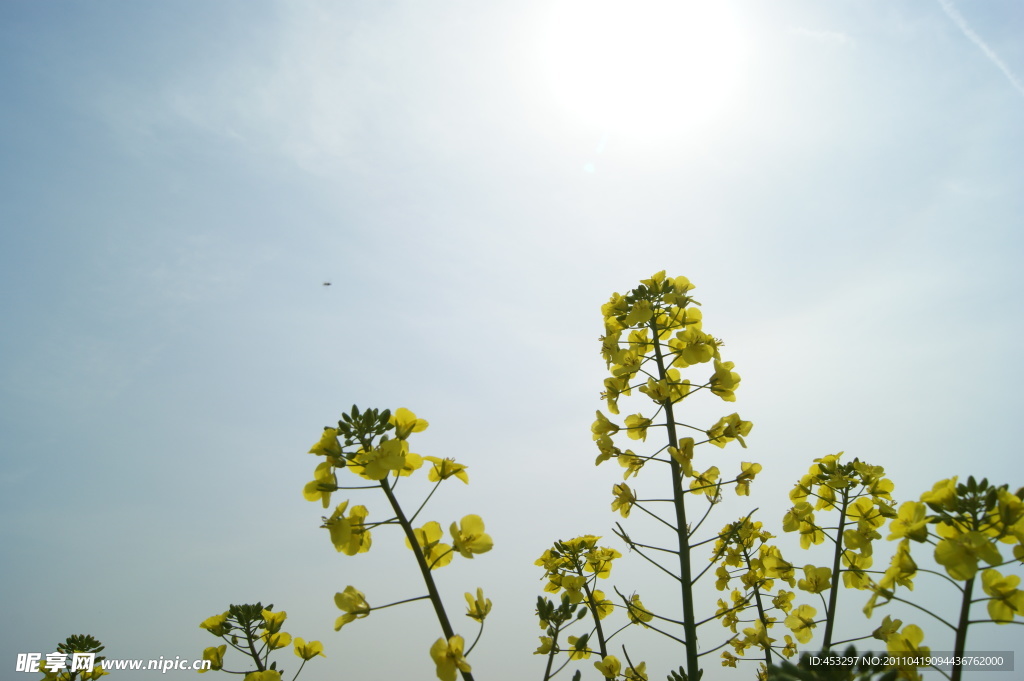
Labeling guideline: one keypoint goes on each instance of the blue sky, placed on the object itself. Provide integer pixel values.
(178, 179)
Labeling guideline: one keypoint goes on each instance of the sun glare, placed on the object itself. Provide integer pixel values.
(643, 68)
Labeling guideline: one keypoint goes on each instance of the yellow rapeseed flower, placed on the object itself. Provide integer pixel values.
(328, 444)
(801, 621)
(743, 480)
(942, 494)
(816, 579)
(959, 552)
(636, 426)
(272, 621)
(479, 607)
(216, 625)
(406, 423)
(724, 381)
(469, 538)
(449, 658)
(215, 656)
(602, 426)
(729, 428)
(278, 640)
(446, 468)
(638, 673)
(267, 675)
(637, 612)
(307, 651)
(428, 537)
(1007, 600)
(609, 666)
(353, 602)
(624, 499)
(910, 522)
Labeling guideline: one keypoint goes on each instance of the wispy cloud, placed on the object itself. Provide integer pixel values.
(958, 19)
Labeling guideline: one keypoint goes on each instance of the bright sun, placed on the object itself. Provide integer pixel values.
(643, 68)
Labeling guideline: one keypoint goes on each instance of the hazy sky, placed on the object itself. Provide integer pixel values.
(842, 182)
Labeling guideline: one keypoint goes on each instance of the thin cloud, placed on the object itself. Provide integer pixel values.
(958, 19)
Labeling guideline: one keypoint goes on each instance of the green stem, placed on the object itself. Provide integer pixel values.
(407, 600)
(299, 671)
(476, 640)
(436, 485)
(760, 610)
(592, 606)
(551, 653)
(961, 629)
(852, 640)
(896, 599)
(682, 533)
(435, 597)
(833, 593)
(652, 561)
(249, 633)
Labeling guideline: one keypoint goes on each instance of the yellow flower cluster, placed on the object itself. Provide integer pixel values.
(661, 322)
(374, 446)
(745, 554)
(350, 534)
(858, 490)
(373, 461)
(254, 623)
(567, 561)
(572, 568)
(966, 522)
(651, 334)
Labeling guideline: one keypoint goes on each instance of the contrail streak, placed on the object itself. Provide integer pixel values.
(958, 19)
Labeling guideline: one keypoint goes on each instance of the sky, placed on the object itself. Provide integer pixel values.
(841, 182)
